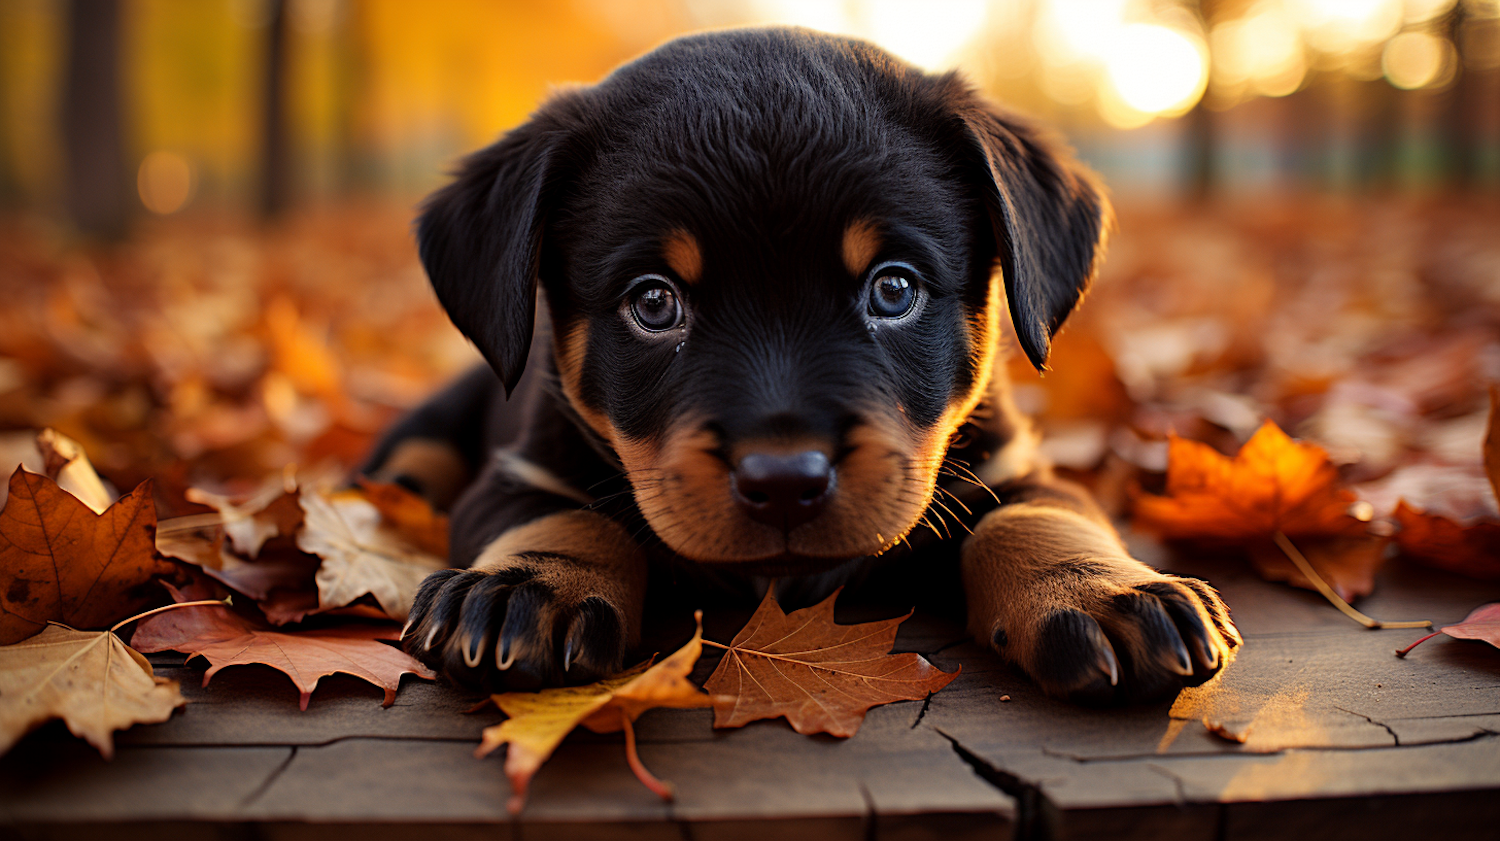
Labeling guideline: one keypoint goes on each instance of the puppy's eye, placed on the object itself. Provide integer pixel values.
(655, 306)
(893, 292)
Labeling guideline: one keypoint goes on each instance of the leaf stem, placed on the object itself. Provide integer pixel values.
(1333, 598)
(123, 622)
(1402, 652)
(715, 644)
(659, 788)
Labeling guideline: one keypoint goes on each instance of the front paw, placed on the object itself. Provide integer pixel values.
(1115, 638)
(520, 627)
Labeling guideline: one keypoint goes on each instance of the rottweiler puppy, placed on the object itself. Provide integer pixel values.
(773, 267)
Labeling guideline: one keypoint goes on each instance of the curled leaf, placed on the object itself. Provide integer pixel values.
(539, 720)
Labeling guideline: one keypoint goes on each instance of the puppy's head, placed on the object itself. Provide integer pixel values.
(771, 261)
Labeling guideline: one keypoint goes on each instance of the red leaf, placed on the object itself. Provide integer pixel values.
(228, 639)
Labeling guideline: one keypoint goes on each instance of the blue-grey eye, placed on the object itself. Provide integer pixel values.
(656, 306)
(893, 292)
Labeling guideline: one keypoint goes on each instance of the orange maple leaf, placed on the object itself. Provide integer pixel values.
(64, 563)
(225, 638)
(823, 677)
(1272, 484)
(539, 720)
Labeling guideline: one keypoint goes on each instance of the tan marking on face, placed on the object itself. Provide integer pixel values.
(861, 243)
(680, 249)
(571, 347)
(884, 482)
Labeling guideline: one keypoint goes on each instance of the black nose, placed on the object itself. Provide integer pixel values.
(783, 490)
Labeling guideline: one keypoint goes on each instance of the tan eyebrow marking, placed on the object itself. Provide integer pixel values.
(680, 249)
(861, 243)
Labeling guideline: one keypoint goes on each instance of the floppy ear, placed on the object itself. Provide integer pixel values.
(480, 239)
(1050, 218)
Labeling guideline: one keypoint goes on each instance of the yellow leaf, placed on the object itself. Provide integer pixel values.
(539, 721)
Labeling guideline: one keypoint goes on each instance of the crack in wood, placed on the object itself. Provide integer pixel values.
(1233, 754)
(1036, 813)
(1394, 738)
(270, 779)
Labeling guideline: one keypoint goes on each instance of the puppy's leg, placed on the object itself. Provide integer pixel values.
(1051, 588)
(437, 448)
(554, 597)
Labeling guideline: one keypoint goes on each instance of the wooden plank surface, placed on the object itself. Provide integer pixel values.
(1341, 737)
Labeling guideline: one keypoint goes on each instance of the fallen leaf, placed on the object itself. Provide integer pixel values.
(1347, 564)
(205, 547)
(271, 511)
(821, 676)
(361, 554)
(90, 679)
(1482, 624)
(1273, 483)
(1471, 549)
(410, 515)
(64, 563)
(538, 721)
(65, 462)
(225, 638)
(1492, 443)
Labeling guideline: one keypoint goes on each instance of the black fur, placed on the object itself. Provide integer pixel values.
(764, 148)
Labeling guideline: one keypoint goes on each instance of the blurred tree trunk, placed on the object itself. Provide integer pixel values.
(276, 153)
(96, 185)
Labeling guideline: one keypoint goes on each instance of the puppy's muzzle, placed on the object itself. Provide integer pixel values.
(783, 490)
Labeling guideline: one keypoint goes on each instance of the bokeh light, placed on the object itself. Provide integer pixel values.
(1415, 60)
(1258, 54)
(165, 182)
(1157, 70)
(1338, 27)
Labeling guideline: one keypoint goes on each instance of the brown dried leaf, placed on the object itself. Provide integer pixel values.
(66, 463)
(64, 563)
(90, 679)
(225, 638)
(1492, 443)
(1471, 549)
(361, 554)
(272, 511)
(823, 677)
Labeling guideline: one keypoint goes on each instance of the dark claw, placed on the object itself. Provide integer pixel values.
(1075, 659)
(525, 652)
(1218, 612)
(441, 621)
(591, 644)
(426, 594)
(1192, 621)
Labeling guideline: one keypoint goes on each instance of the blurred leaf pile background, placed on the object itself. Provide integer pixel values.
(207, 272)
